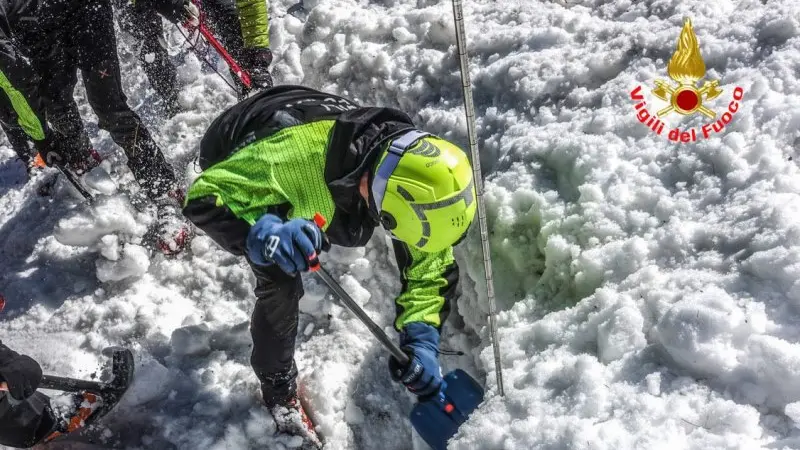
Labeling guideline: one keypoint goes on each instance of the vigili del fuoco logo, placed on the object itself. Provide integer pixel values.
(686, 68)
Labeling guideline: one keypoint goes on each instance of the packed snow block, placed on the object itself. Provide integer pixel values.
(152, 382)
(771, 368)
(355, 289)
(326, 388)
(353, 414)
(361, 268)
(792, 411)
(702, 332)
(229, 338)
(620, 334)
(107, 215)
(109, 247)
(191, 340)
(134, 262)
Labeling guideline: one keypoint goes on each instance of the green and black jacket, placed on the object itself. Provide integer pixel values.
(295, 151)
(17, 78)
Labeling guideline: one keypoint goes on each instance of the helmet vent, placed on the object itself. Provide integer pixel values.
(458, 221)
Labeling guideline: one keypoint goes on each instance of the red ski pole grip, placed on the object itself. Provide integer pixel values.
(319, 220)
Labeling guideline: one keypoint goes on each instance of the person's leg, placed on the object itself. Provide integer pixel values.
(53, 56)
(145, 25)
(59, 75)
(17, 138)
(24, 424)
(243, 28)
(274, 329)
(97, 54)
(223, 17)
(20, 142)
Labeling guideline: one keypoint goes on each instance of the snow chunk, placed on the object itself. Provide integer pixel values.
(191, 340)
(99, 180)
(108, 215)
(134, 262)
(621, 334)
(353, 414)
(700, 332)
(109, 247)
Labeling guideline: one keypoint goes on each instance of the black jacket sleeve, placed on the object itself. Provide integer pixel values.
(23, 424)
(219, 223)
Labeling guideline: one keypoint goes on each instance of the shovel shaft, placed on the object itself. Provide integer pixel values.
(351, 304)
(69, 384)
(64, 384)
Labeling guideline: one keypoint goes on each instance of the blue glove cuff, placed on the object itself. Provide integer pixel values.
(420, 335)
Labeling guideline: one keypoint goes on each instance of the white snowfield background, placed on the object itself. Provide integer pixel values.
(649, 291)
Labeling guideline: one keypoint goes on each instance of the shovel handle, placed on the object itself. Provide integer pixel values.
(351, 304)
(64, 384)
(69, 384)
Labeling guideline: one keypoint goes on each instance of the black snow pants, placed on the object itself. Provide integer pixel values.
(24, 424)
(223, 18)
(146, 27)
(273, 327)
(76, 36)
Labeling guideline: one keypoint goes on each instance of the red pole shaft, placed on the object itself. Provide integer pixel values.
(241, 73)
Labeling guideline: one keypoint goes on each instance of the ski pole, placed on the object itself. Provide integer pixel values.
(469, 108)
(241, 73)
(203, 29)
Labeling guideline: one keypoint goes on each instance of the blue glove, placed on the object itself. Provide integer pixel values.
(294, 245)
(423, 376)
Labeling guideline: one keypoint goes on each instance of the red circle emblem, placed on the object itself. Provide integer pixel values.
(687, 100)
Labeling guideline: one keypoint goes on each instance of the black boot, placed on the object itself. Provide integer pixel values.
(291, 418)
(174, 231)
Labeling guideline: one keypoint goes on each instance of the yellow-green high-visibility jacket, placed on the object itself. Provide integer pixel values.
(294, 151)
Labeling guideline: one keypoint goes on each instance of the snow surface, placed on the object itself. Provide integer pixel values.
(648, 290)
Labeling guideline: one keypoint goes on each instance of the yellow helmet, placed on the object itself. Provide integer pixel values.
(424, 192)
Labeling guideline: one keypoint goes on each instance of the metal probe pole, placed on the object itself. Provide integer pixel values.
(461, 44)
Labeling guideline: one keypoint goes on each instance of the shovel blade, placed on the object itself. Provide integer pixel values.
(437, 423)
(122, 367)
